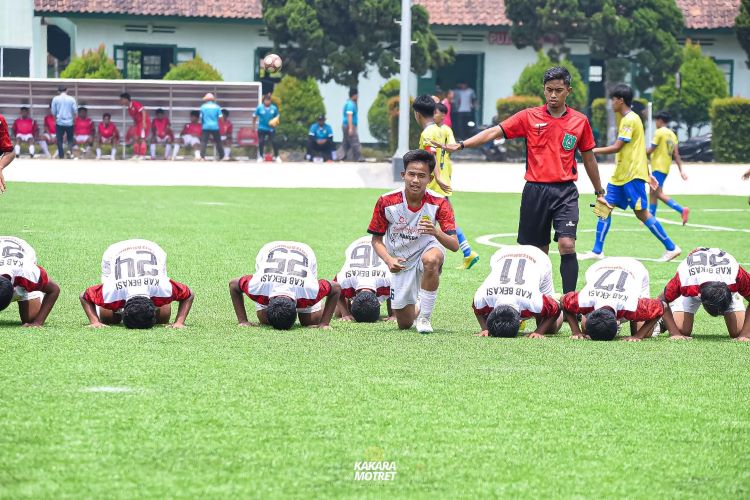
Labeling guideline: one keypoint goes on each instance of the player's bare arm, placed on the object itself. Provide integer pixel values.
(395, 264)
(610, 150)
(678, 161)
(182, 312)
(744, 335)
(438, 178)
(482, 137)
(482, 320)
(343, 311)
(674, 331)
(543, 325)
(575, 328)
(4, 162)
(449, 241)
(643, 332)
(331, 300)
(51, 292)
(238, 301)
(90, 309)
(592, 170)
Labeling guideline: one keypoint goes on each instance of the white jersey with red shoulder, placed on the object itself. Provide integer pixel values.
(284, 268)
(615, 282)
(363, 269)
(703, 265)
(520, 277)
(134, 267)
(18, 264)
(399, 224)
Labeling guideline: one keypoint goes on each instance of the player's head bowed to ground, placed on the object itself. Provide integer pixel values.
(365, 283)
(22, 280)
(712, 278)
(518, 287)
(285, 286)
(616, 290)
(411, 229)
(136, 289)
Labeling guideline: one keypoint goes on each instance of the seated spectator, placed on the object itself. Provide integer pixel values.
(190, 136)
(25, 131)
(107, 133)
(320, 140)
(161, 133)
(83, 131)
(225, 130)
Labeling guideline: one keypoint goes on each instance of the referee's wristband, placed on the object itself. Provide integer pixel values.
(600, 193)
(461, 144)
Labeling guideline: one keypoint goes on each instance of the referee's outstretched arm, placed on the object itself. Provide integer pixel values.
(482, 137)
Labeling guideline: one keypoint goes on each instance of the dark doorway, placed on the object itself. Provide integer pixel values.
(147, 62)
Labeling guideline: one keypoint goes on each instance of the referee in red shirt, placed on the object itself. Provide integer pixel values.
(6, 150)
(553, 133)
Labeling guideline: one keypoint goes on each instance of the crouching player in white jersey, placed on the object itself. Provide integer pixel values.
(365, 283)
(617, 289)
(406, 237)
(22, 280)
(135, 289)
(285, 285)
(518, 287)
(713, 278)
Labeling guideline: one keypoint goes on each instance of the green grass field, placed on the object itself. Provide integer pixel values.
(220, 411)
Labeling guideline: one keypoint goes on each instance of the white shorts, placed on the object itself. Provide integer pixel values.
(191, 140)
(49, 137)
(163, 140)
(405, 284)
(223, 138)
(307, 310)
(21, 295)
(25, 137)
(691, 305)
(106, 140)
(81, 139)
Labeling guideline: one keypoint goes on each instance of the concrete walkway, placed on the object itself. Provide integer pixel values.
(471, 177)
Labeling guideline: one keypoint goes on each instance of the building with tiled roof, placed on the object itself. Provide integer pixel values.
(145, 37)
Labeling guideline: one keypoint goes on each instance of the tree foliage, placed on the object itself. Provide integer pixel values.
(340, 40)
(301, 102)
(619, 31)
(532, 77)
(92, 64)
(509, 106)
(742, 26)
(377, 116)
(730, 124)
(701, 82)
(196, 69)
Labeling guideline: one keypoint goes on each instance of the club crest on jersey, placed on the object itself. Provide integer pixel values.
(568, 142)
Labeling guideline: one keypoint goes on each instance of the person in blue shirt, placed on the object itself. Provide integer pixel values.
(64, 109)
(351, 149)
(320, 140)
(210, 113)
(267, 117)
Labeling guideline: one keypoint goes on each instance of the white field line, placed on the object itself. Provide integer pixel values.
(697, 226)
(723, 209)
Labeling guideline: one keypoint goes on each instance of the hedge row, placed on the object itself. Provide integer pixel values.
(730, 122)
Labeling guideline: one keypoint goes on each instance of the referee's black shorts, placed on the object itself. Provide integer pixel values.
(544, 206)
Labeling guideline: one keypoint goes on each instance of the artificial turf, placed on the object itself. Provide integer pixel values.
(216, 410)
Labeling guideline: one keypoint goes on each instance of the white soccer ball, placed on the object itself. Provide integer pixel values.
(271, 63)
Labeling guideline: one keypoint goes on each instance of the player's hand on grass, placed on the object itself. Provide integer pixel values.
(632, 339)
(742, 339)
(321, 326)
(389, 318)
(580, 336)
(483, 333)
(348, 317)
(536, 335)
(97, 325)
(32, 325)
(680, 337)
(176, 326)
(246, 323)
(396, 264)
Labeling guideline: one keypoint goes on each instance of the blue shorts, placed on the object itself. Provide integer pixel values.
(630, 195)
(660, 176)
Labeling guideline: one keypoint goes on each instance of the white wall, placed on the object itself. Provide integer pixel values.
(19, 29)
(726, 46)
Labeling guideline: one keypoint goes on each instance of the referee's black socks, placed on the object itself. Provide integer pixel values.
(569, 271)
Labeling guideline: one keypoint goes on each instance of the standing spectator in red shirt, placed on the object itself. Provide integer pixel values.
(141, 123)
(25, 130)
(553, 132)
(6, 151)
(226, 129)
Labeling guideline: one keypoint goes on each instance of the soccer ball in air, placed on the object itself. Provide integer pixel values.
(271, 63)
